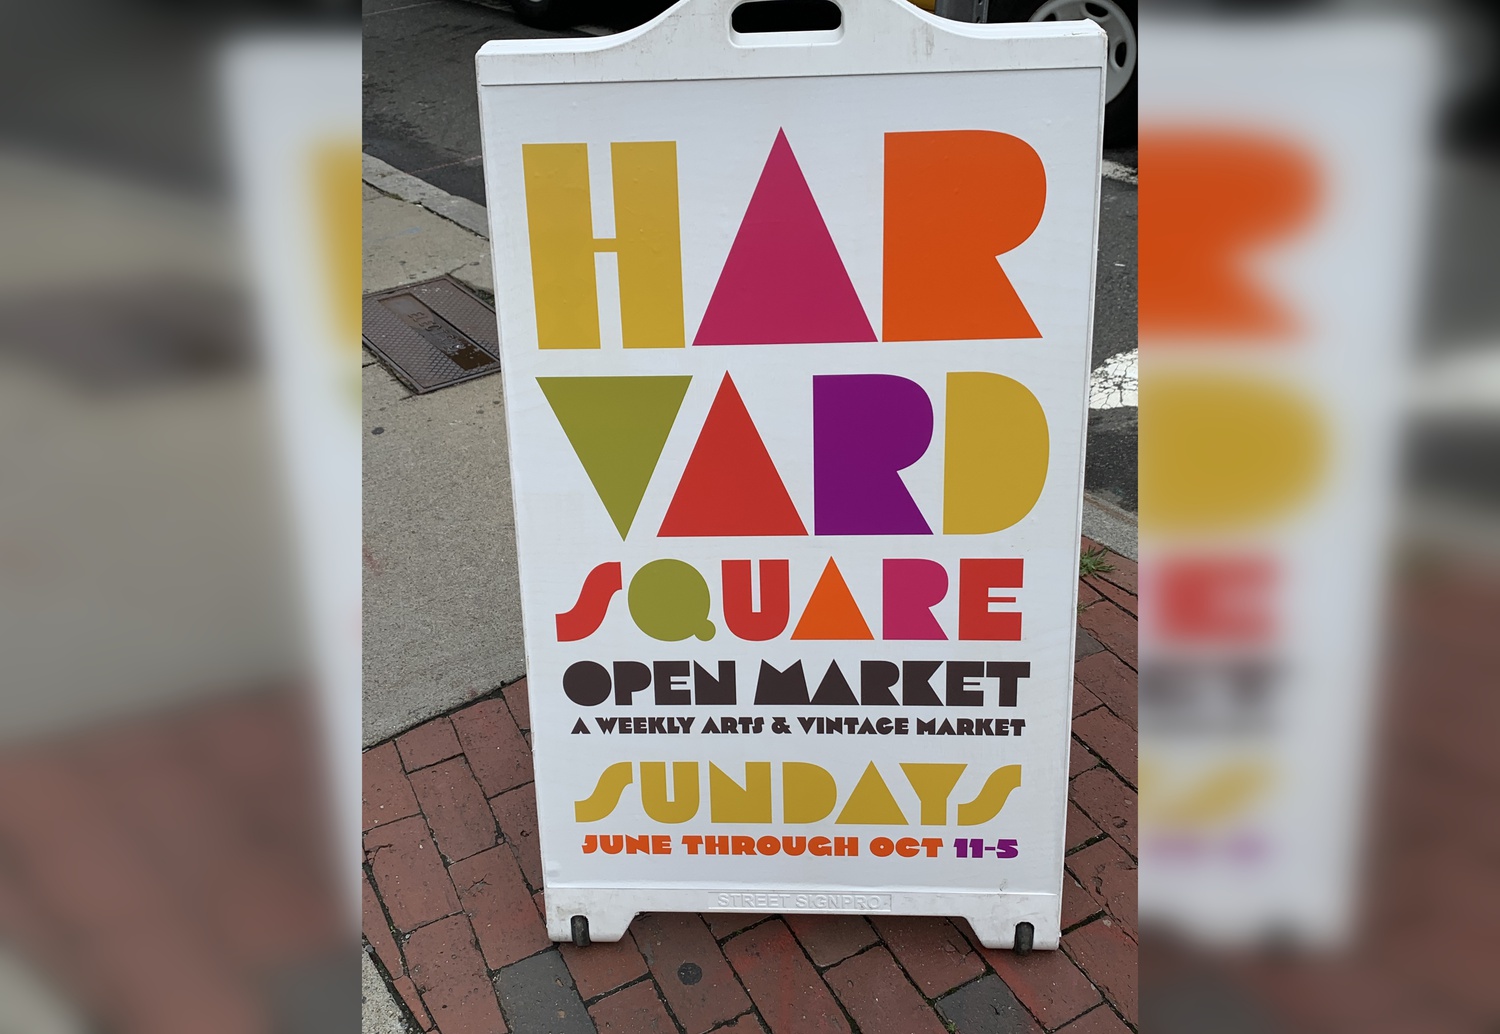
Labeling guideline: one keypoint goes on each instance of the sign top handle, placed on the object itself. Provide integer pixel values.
(694, 39)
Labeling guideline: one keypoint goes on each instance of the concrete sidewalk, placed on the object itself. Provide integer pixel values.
(442, 605)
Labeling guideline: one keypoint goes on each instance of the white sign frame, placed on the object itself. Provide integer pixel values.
(1284, 862)
(888, 60)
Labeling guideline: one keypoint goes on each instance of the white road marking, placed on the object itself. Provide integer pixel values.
(1120, 173)
(1465, 383)
(393, 10)
(1113, 383)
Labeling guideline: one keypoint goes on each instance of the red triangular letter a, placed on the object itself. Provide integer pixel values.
(730, 486)
(784, 282)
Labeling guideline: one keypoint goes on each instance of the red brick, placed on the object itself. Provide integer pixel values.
(1113, 627)
(408, 991)
(1109, 958)
(252, 740)
(409, 873)
(1101, 796)
(722, 924)
(492, 743)
(931, 949)
(785, 988)
(1108, 874)
(1106, 677)
(635, 1010)
(670, 939)
(1079, 758)
(1126, 601)
(1083, 700)
(1345, 996)
(378, 931)
(1101, 1021)
(1046, 982)
(499, 907)
(541, 904)
(880, 998)
(831, 938)
(519, 701)
(1124, 574)
(1077, 904)
(428, 744)
(449, 974)
(1081, 828)
(516, 813)
(746, 1024)
(456, 810)
(387, 794)
(1111, 739)
(602, 966)
(1087, 595)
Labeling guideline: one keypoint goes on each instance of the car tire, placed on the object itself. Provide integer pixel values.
(1119, 19)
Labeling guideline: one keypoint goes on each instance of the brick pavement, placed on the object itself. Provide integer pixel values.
(1424, 958)
(453, 882)
(170, 871)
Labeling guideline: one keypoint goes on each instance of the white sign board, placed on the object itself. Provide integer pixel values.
(796, 342)
(294, 121)
(1280, 242)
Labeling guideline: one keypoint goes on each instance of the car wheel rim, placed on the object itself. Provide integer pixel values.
(1119, 65)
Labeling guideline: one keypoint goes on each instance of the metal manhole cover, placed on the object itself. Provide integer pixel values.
(432, 334)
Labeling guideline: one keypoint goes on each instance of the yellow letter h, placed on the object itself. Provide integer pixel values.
(647, 240)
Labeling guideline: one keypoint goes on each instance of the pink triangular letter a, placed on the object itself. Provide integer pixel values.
(784, 282)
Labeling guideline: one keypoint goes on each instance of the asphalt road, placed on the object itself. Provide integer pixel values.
(421, 108)
(421, 115)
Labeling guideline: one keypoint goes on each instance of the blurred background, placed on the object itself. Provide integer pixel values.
(179, 567)
(1320, 526)
(1320, 515)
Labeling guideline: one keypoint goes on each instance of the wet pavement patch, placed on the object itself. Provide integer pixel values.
(986, 1006)
(538, 996)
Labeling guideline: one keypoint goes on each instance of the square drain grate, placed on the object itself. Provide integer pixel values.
(432, 334)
